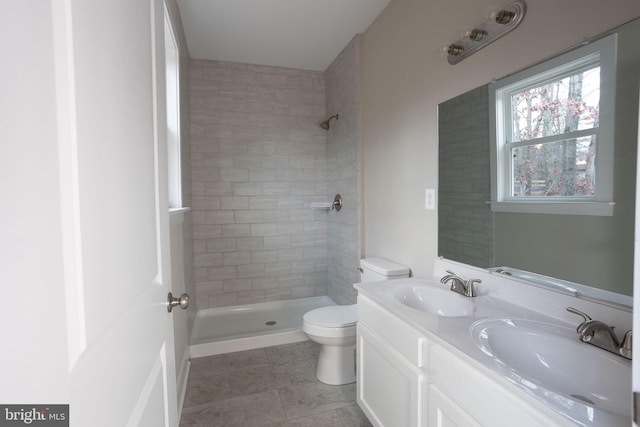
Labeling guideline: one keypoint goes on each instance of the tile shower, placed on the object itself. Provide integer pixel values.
(258, 160)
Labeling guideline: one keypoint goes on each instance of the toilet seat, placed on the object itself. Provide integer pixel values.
(334, 316)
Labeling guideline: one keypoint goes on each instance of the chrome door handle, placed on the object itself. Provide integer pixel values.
(172, 301)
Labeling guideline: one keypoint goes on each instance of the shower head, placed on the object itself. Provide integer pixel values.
(325, 125)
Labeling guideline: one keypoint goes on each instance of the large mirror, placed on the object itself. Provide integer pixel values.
(596, 251)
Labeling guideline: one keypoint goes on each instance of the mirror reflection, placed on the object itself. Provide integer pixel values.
(592, 250)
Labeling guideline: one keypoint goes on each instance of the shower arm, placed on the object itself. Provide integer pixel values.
(327, 123)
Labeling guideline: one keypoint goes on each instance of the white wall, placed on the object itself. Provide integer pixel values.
(404, 79)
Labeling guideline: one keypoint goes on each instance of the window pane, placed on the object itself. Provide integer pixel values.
(171, 56)
(558, 169)
(557, 107)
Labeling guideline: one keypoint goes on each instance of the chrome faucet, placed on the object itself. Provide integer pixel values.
(601, 335)
(459, 285)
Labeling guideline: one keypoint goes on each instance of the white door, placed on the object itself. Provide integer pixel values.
(85, 248)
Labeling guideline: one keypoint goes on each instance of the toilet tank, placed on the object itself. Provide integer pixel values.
(377, 269)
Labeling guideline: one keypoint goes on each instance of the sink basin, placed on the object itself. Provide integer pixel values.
(550, 361)
(434, 299)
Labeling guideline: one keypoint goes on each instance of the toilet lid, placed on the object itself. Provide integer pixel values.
(335, 316)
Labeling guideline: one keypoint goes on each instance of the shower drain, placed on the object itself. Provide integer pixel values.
(584, 399)
(270, 323)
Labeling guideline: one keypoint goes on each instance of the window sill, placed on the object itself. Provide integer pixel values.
(557, 208)
(176, 215)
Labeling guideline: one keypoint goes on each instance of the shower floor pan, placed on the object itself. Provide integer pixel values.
(245, 327)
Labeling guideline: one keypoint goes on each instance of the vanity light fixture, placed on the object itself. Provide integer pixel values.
(497, 25)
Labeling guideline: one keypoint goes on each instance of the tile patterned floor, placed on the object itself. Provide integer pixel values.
(270, 387)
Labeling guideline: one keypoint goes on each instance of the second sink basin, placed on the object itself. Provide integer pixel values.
(551, 360)
(434, 298)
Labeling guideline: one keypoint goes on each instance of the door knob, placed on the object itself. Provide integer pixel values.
(172, 301)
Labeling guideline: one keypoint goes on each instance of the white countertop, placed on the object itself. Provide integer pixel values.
(454, 333)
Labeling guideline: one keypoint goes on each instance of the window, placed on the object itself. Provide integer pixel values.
(173, 114)
(552, 132)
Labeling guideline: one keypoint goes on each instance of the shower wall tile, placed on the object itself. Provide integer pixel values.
(258, 159)
(250, 297)
(343, 169)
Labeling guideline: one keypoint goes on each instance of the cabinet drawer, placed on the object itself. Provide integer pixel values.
(406, 340)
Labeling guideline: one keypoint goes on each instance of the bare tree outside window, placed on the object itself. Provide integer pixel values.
(553, 137)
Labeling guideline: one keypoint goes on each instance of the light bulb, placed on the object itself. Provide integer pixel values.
(453, 49)
(476, 35)
(501, 16)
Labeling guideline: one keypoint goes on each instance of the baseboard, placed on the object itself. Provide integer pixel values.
(182, 379)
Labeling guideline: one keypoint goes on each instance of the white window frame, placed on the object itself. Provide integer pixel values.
(604, 51)
(172, 77)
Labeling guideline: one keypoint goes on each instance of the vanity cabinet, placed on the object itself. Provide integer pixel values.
(444, 412)
(390, 389)
(475, 398)
(408, 378)
(391, 383)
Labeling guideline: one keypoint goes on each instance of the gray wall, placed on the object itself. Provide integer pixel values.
(258, 161)
(404, 79)
(343, 163)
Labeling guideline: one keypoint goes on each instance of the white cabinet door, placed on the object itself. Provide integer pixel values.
(443, 412)
(390, 389)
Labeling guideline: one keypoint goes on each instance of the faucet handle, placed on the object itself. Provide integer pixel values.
(585, 316)
(471, 289)
(446, 277)
(626, 347)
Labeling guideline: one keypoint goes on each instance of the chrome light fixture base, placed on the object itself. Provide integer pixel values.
(501, 23)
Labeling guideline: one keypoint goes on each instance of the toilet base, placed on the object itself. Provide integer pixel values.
(337, 364)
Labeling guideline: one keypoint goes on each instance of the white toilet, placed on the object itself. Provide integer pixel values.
(334, 327)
